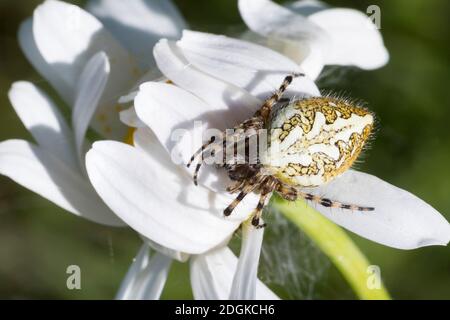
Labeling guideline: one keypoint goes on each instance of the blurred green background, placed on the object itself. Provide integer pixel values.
(411, 150)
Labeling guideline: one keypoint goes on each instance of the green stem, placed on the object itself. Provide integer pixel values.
(335, 243)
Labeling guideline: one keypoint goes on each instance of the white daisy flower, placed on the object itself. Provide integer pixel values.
(221, 82)
(54, 168)
(90, 58)
(90, 68)
(314, 35)
(63, 42)
(60, 38)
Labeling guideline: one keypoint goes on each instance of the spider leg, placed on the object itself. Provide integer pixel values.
(290, 193)
(332, 203)
(245, 125)
(199, 165)
(244, 130)
(201, 150)
(259, 209)
(238, 185)
(205, 148)
(287, 192)
(246, 190)
(197, 170)
(264, 111)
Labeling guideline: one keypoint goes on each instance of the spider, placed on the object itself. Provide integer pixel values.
(310, 142)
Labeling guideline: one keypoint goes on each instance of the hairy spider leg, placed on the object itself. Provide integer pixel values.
(238, 185)
(201, 150)
(258, 211)
(200, 163)
(241, 131)
(246, 190)
(290, 193)
(266, 108)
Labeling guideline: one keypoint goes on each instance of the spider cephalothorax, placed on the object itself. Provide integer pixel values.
(309, 142)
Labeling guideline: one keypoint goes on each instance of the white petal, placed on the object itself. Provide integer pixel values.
(308, 30)
(153, 98)
(355, 40)
(212, 274)
(176, 255)
(151, 75)
(191, 118)
(244, 281)
(214, 92)
(139, 24)
(41, 172)
(310, 56)
(130, 118)
(157, 199)
(44, 121)
(306, 7)
(90, 89)
(177, 109)
(214, 179)
(257, 69)
(31, 51)
(146, 277)
(129, 97)
(288, 32)
(156, 276)
(129, 285)
(270, 19)
(400, 220)
(307, 54)
(67, 37)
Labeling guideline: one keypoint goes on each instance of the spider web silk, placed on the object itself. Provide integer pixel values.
(290, 262)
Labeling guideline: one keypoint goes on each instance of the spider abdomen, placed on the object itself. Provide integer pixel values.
(314, 140)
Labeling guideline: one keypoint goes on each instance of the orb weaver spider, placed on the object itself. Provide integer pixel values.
(310, 142)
